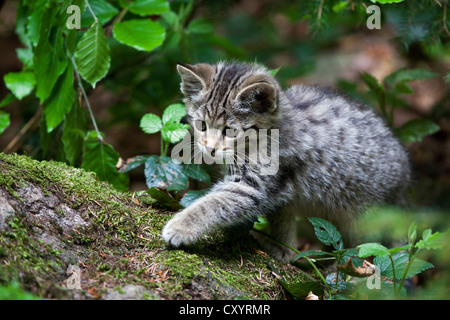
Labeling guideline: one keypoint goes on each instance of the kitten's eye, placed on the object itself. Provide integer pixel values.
(230, 132)
(200, 125)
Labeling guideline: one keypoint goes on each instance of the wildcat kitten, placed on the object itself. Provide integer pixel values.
(335, 156)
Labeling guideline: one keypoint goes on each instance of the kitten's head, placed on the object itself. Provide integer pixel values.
(224, 100)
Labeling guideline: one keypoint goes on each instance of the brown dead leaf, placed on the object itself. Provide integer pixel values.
(366, 270)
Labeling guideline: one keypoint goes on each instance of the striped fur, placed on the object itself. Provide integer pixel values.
(336, 156)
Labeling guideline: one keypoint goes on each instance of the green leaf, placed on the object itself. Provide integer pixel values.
(61, 100)
(191, 196)
(403, 75)
(401, 260)
(7, 100)
(402, 88)
(101, 158)
(49, 57)
(174, 113)
(201, 26)
(74, 133)
(431, 240)
(144, 35)
(20, 83)
(4, 121)
(300, 290)
(194, 171)
(174, 132)
(104, 11)
(373, 84)
(397, 249)
(163, 172)
(151, 123)
(26, 56)
(416, 129)
(164, 198)
(412, 233)
(387, 1)
(92, 55)
(327, 233)
(372, 249)
(149, 7)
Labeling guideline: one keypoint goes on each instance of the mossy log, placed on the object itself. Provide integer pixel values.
(66, 235)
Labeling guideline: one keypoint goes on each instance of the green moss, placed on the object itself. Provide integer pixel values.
(122, 244)
(182, 265)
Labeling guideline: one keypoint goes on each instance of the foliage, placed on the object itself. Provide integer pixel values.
(162, 172)
(394, 265)
(13, 292)
(388, 98)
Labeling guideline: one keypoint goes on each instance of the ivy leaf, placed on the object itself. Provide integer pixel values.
(144, 35)
(191, 196)
(163, 172)
(372, 249)
(92, 55)
(20, 83)
(151, 123)
(149, 7)
(327, 233)
(416, 129)
(174, 113)
(61, 100)
(101, 158)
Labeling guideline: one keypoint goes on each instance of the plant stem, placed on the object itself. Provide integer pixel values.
(92, 11)
(86, 100)
(393, 273)
(410, 261)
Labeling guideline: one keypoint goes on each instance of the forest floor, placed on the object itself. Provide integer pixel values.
(66, 235)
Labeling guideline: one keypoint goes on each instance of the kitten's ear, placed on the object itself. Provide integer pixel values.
(195, 78)
(260, 96)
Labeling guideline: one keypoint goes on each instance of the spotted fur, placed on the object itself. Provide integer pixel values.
(336, 156)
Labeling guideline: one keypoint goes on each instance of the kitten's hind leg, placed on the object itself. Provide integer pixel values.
(283, 229)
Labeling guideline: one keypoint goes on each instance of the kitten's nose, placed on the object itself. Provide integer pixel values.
(211, 150)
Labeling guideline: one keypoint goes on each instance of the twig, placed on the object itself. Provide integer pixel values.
(444, 20)
(92, 12)
(86, 100)
(15, 143)
(319, 13)
(116, 20)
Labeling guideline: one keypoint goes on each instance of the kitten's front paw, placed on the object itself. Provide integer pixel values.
(177, 233)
